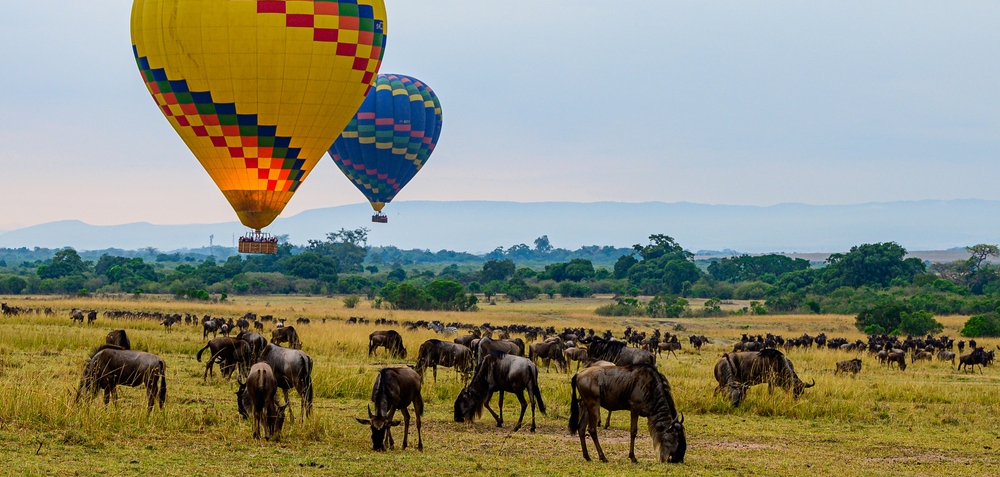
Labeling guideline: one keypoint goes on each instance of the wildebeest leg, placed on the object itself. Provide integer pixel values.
(291, 417)
(152, 387)
(594, 409)
(435, 369)
(490, 409)
(406, 426)
(584, 425)
(607, 425)
(632, 432)
(500, 404)
(524, 407)
(388, 429)
(418, 409)
(107, 395)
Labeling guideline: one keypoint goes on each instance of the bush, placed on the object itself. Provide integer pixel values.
(666, 306)
(887, 313)
(919, 323)
(624, 307)
(573, 290)
(982, 325)
(351, 301)
(750, 291)
(874, 330)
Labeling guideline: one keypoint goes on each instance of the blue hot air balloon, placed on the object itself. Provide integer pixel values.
(389, 139)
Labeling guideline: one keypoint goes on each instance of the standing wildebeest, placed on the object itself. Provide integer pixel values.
(548, 350)
(504, 373)
(394, 389)
(91, 316)
(231, 353)
(434, 353)
(390, 340)
(976, 357)
(669, 347)
(292, 369)
(119, 339)
(260, 389)
(76, 315)
(487, 345)
(851, 366)
(946, 356)
(288, 335)
(111, 366)
(211, 326)
(619, 353)
(576, 354)
(256, 341)
(736, 372)
(640, 389)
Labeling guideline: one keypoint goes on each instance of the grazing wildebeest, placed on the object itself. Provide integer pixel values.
(395, 388)
(211, 326)
(256, 341)
(119, 339)
(500, 372)
(976, 357)
(390, 340)
(897, 357)
(111, 366)
(946, 356)
(698, 341)
(547, 351)
(231, 353)
(576, 354)
(258, 326)
(638, 388)
(292, 369)
(260, 390)
(434, 353)
(920, 355)
(288, 335)
(91, 316)
(736, 372)
(619, 353)
(76, 315)
(852, 366)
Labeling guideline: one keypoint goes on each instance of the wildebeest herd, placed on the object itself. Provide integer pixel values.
(614, 373)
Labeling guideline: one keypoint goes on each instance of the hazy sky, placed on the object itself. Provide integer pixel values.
(717, 102)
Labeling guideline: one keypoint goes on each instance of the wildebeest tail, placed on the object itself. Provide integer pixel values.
(574, 409)
(200, 352)
(537, 392)
(307, 366)
(163, 384)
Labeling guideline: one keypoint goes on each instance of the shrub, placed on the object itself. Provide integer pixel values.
(570, 289)
(887, 313)
(666, 306)
(874, 330)
(919, 323)
(351, 301)
(750, 291)
(982, 325)
(624, 307)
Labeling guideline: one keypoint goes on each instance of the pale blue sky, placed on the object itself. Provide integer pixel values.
(704, 101)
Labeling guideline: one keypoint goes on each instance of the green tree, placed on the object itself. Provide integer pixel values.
(397, 274)
(542, 244)
(312, 265)
(919, 323)
(873, 265)
(65, 263)
(886, 312)
(499, 270)
(622, 266)
(982, 325)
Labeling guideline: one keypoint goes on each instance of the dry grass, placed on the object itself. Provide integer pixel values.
(928, 420)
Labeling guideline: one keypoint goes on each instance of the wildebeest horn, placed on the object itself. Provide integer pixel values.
(681, 420)
(370, 412)
(813, 383)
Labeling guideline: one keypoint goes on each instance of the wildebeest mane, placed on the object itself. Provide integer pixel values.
(102, 348)
(770, 353)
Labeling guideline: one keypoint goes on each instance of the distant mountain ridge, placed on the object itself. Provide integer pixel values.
(481, 226)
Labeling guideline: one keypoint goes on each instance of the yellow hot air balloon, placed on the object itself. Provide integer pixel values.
(258, 89)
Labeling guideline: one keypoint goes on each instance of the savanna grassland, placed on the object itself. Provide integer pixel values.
(928, 420)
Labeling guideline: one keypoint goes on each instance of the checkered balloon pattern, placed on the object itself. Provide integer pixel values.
(390, 138)
(258, 89)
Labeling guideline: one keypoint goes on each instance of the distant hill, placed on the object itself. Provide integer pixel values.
(480, 226)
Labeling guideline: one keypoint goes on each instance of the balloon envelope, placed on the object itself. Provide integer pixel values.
(390, 137)
(258, 90)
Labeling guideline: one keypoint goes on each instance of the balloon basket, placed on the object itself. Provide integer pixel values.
(258, 243)
(380, 218)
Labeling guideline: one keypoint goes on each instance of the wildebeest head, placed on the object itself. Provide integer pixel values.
(467, 406)
(801, 386)
(669, 442)
(244, 402)
(379, 425)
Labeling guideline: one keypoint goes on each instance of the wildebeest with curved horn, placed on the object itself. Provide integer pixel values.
(231, 353)
(619, 353)
(119, 339)
(434, 353)
(110, 366)
(286, 334)
(292, 369)
(390, 340)
(638, 388)
(260, 390)
(736, 372)
(500, 372)
(395, 388)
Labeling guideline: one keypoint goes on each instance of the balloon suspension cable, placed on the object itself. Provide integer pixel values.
(380, 218)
